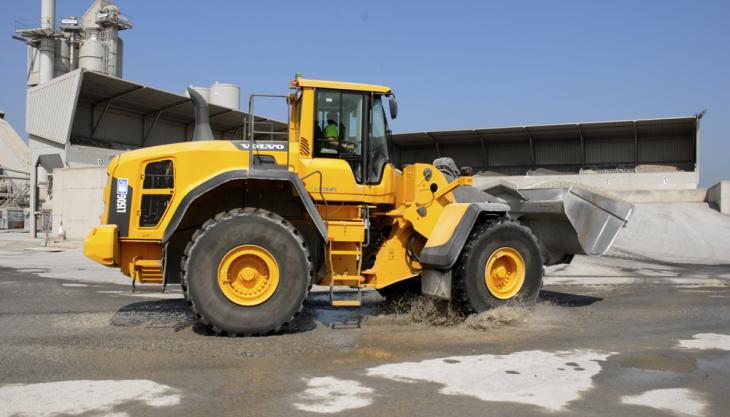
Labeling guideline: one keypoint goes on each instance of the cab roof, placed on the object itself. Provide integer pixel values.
(339, 85)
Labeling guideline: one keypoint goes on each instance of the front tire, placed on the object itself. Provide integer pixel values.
(247, 272)
(500, 264)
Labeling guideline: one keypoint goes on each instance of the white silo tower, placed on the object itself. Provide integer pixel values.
(102, 49)
(91, 54)
(225, 95)
(91, 42)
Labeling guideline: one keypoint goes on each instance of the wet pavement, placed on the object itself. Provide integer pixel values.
(624, 347)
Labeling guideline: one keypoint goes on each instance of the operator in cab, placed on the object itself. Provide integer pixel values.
(332, 144)
(331, 131)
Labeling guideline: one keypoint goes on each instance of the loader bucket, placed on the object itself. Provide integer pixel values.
(567, 221)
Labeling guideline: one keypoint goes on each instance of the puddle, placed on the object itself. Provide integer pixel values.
(659, 363)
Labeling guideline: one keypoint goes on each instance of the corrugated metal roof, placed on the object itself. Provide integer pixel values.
(568, 147)
(90, 108)
(51, 107)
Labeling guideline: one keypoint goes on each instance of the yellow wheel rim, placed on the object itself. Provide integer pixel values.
(248, 275)
(504, 273)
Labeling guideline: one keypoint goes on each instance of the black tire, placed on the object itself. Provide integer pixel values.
(214, 240)
(470, 289)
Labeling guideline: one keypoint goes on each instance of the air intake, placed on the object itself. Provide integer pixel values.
(202, 118)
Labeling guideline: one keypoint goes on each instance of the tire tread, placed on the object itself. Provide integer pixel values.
(459, 296)
(209, 225)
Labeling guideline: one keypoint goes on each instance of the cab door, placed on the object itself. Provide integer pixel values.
(340, 139)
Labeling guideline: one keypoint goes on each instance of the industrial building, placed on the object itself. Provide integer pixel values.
(81, 112)
(96, 116)
(619, 155)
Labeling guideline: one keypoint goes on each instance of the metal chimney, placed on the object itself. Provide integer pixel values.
(47, 47)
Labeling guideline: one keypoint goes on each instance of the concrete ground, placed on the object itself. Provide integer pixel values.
(641, 332)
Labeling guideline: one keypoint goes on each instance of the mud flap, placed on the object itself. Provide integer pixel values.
(436, 283)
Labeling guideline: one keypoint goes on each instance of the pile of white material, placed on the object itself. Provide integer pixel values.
(332, 395)
(546, 379)
(88, 397)
(677, 233)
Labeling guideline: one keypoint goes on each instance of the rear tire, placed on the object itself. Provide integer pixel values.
(500, 264)
(280, 267)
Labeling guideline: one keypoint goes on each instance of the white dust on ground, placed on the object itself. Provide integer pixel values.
(70, 264)
(705, 341)
(678, 401)
(550, 380)
(331, 395)
(88, 397)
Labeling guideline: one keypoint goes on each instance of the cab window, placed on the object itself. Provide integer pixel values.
(339, 123)
(338, 129)
(377, 143)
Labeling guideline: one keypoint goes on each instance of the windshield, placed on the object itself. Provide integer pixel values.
(378, 142)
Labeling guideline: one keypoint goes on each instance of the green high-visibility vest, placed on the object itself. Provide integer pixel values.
(331, 131)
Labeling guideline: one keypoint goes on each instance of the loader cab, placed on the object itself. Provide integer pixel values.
(351, 126)
(349, 134)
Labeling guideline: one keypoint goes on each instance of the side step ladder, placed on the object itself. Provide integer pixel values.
(147, 271)
(346, 279)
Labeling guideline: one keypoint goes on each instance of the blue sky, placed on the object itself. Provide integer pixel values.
(454, 64)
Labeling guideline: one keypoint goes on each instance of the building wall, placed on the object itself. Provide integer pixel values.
(77, 199)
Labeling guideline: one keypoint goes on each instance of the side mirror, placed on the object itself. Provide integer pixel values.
(393, 105)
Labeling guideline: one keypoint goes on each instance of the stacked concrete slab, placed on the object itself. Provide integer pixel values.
(719, 196)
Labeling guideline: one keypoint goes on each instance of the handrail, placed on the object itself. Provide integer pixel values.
(251, 123)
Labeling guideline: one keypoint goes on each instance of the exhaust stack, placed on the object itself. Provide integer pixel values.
(202, 117)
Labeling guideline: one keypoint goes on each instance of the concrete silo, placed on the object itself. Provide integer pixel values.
(91, 54)
(225, 95)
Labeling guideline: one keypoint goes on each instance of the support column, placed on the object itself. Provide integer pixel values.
(33, 198)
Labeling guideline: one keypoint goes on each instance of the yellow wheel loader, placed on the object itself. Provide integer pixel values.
(247, 227)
